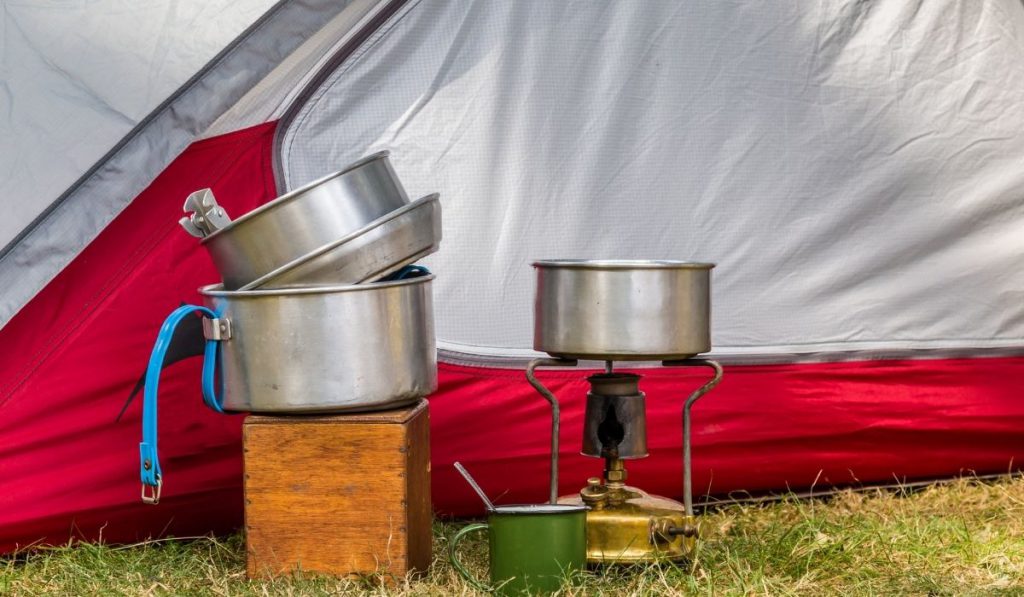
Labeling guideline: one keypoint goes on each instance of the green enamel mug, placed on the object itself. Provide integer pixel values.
(534, 549)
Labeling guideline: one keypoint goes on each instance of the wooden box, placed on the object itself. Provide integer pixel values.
(341, 495)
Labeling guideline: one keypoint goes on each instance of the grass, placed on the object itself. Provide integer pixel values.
(961, 538)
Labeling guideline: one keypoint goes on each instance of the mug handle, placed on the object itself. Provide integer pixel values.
(453, 546)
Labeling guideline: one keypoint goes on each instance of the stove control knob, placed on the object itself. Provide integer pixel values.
(594, 494)
(666, 530)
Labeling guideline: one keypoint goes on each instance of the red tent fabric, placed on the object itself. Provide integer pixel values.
(764, 428)
(72, 355)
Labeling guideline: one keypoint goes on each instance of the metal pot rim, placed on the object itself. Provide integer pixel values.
(620, 264)
(528, 509)
(290, 195)
(217, 290)
(269, 276)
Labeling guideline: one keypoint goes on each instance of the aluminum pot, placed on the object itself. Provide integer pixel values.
(383, 247)
(305, 220)
(622, 310)
(325, 349)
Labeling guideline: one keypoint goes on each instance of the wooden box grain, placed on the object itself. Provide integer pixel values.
(341, 495)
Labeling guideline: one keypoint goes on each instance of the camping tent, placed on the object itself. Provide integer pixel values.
(854, 169)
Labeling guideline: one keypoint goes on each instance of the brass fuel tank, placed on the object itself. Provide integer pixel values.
(626, 524)
(634, 526)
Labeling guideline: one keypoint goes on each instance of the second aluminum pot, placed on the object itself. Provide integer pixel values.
(303, 221)
(622, 310)
(325, 349)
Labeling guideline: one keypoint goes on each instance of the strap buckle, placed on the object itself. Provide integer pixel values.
(154, 496)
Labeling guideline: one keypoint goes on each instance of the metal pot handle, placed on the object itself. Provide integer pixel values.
(205, 215)
(550, 397)
(214, 330)
(694, 397)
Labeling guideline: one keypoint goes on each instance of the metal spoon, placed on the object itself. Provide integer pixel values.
(469, 479)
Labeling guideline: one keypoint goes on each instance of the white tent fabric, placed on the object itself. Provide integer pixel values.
(79, 76)
(856, 170)
(100, 97)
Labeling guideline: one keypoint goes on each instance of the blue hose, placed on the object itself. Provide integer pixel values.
(149, 466)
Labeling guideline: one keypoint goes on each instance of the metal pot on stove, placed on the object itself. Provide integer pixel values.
(622, 310)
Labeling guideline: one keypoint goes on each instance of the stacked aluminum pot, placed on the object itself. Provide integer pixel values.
(320, 309)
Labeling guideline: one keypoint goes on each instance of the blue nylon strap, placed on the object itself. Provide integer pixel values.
(211, 359)
(149, 465)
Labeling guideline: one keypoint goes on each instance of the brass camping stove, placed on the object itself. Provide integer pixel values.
(625, 524)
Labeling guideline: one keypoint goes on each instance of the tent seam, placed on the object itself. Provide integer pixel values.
(337, 71)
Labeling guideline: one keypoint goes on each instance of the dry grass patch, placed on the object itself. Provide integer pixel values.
(961, 538)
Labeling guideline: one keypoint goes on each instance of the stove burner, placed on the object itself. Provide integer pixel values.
(615, 423)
